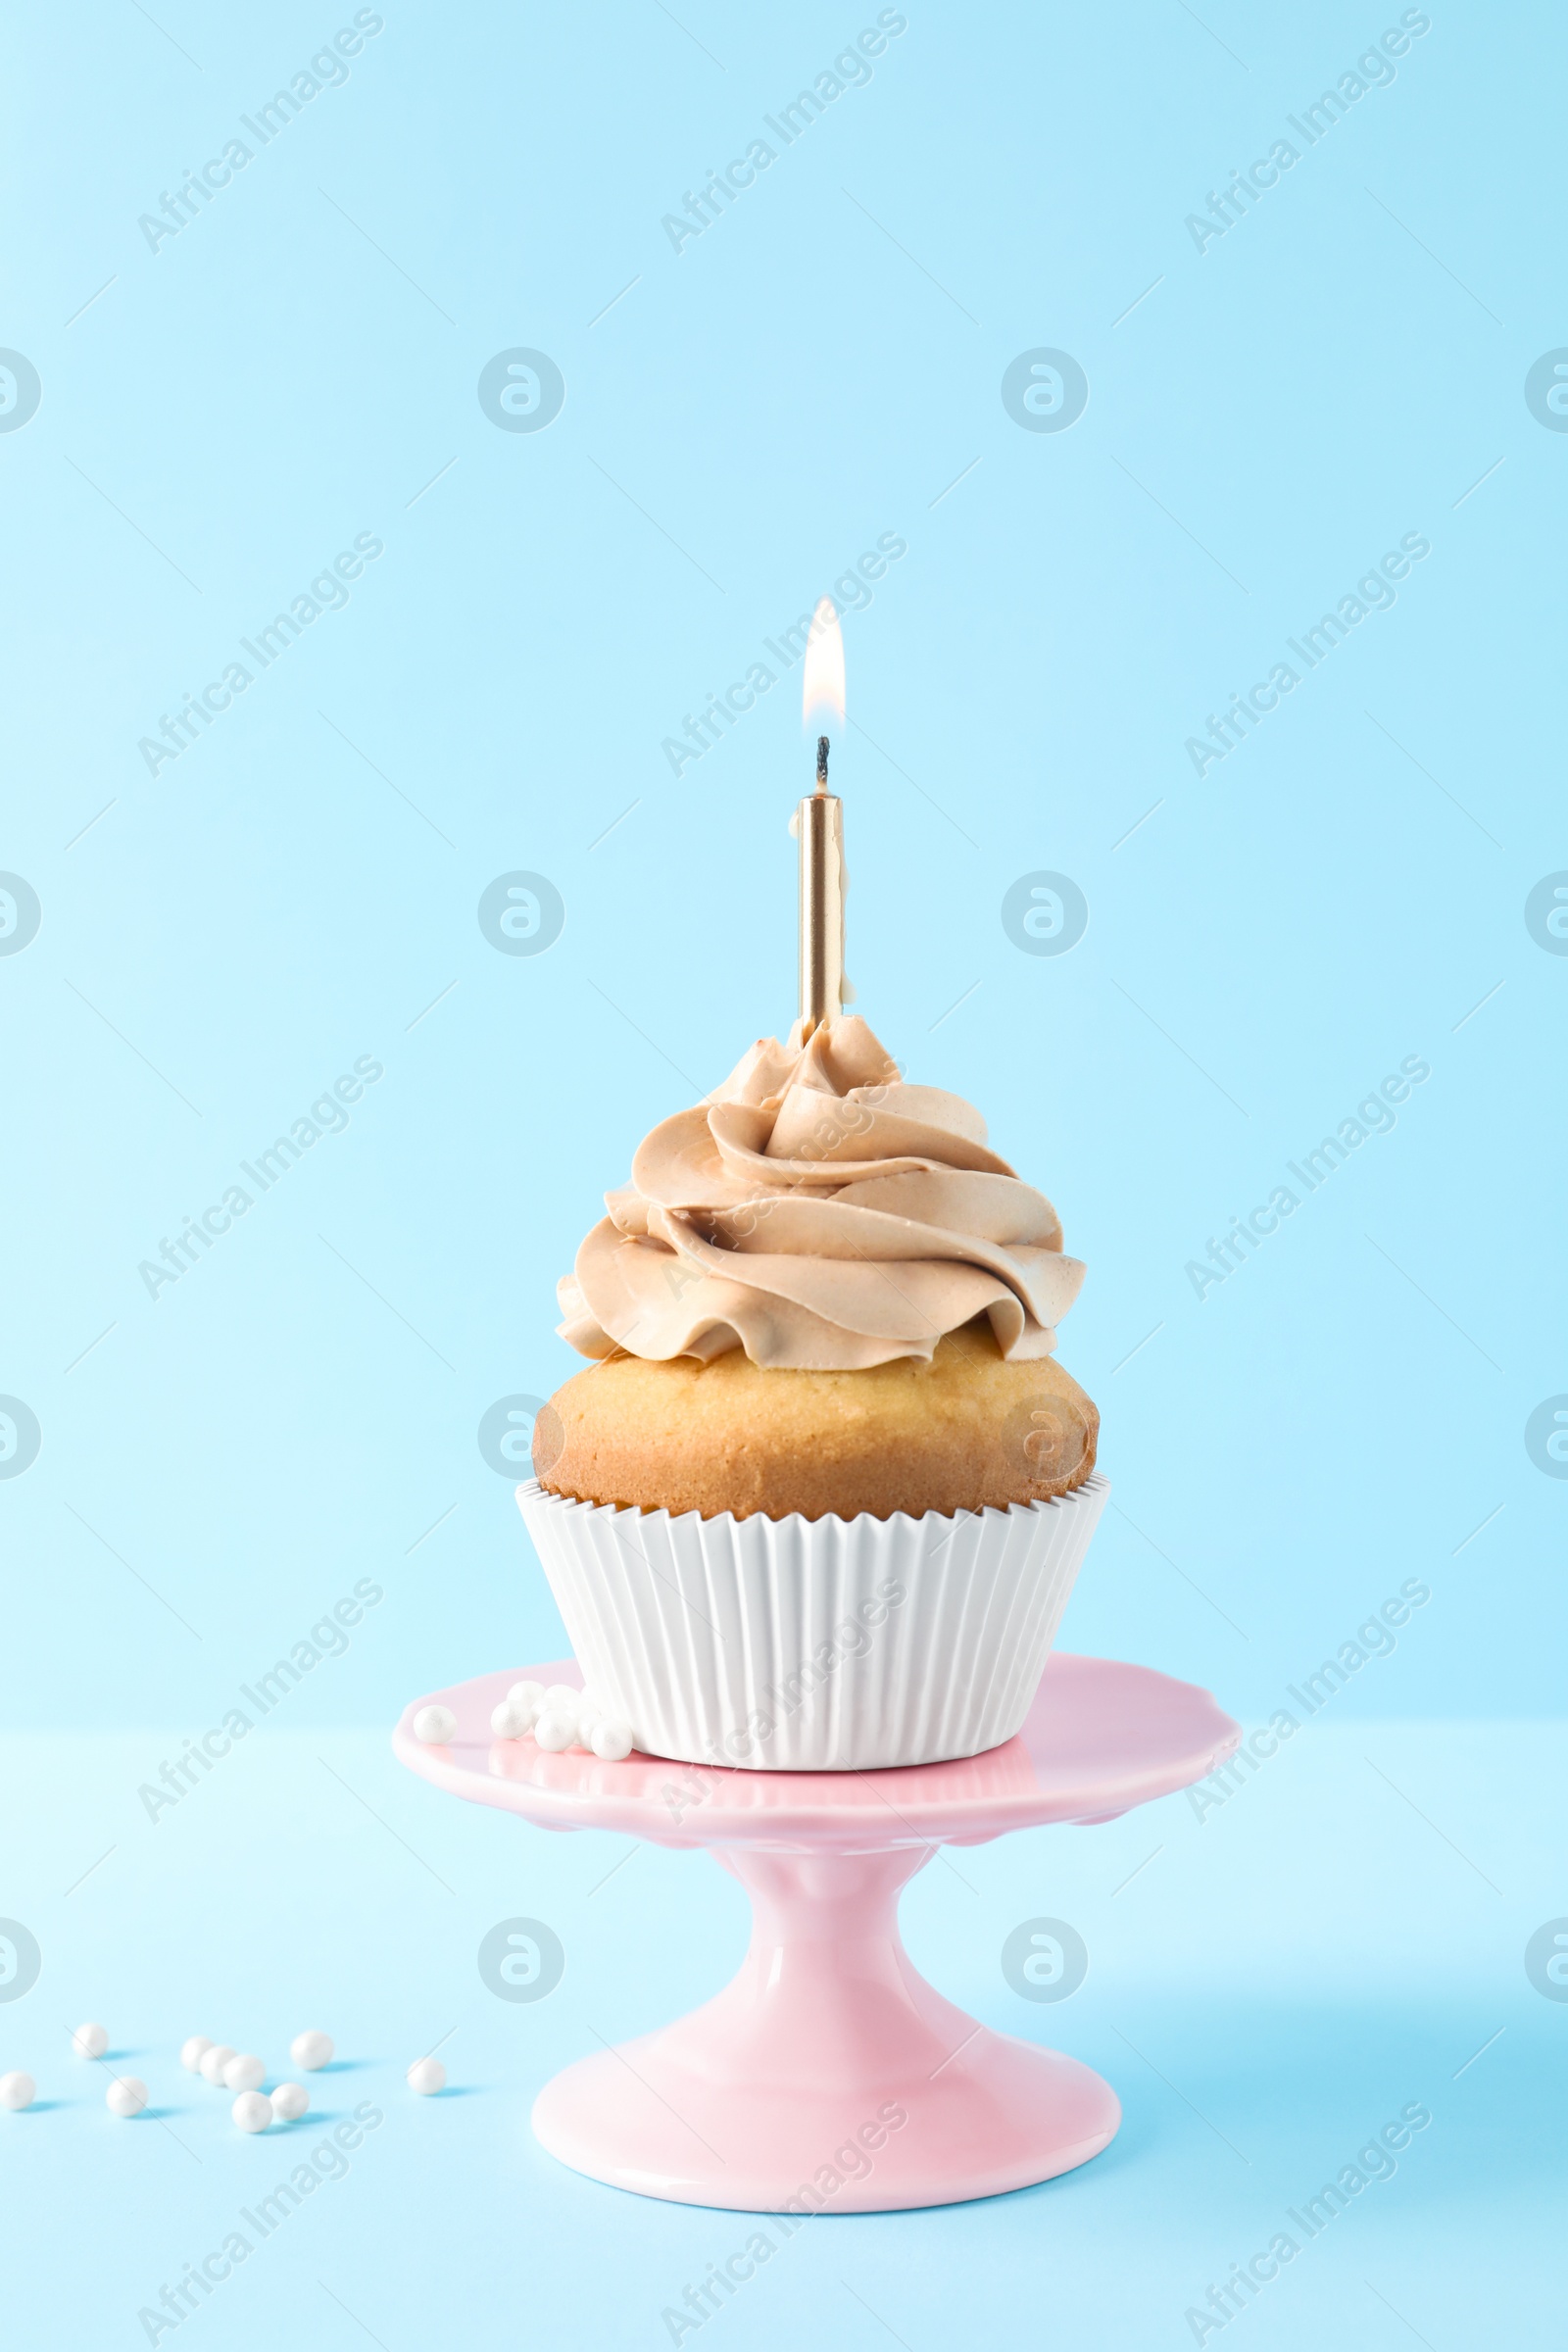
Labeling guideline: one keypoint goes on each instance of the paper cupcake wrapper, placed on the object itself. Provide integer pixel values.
(814, 1644)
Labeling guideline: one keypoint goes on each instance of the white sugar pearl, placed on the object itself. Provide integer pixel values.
(244, 2073)
(90, 2041)
(16, 2090)
(252, 2111)
(192, 2052)
(612, 1740)
(125, 2095)
(427, 2076)
(555, 1731)
(214, 2061)
(310, 2049)
(289, 2101)
(511, 1719)
(435, 1726)
(531, 1693)
(561, 1699)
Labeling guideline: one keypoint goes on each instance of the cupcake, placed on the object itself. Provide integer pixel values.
(819, 1500)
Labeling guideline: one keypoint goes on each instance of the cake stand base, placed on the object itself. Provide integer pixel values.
(828, 2075)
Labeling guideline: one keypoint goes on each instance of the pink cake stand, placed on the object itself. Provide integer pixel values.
(830, 2033)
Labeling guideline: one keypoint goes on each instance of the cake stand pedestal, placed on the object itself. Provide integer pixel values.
(829, 2056)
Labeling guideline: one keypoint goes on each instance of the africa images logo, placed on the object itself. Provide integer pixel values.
(21, 914)
(521, 390)
(20, 391)
(1044, 390)
(20, 1437)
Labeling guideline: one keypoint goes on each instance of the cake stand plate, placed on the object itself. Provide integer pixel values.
(829, 2075)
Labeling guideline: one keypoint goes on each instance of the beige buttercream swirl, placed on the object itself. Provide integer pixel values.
(824, 1215)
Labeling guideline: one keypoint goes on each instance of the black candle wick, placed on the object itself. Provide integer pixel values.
(821, 763)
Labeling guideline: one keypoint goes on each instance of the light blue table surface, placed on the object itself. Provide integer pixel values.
(1268, 1986)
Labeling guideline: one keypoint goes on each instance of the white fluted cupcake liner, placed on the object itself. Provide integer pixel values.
(814, 1644)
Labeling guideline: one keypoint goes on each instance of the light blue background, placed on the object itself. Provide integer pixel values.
(822, 365)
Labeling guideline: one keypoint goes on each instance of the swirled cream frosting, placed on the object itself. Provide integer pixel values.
(822, 1215)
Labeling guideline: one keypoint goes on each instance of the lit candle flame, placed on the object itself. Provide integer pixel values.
(823, 693)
